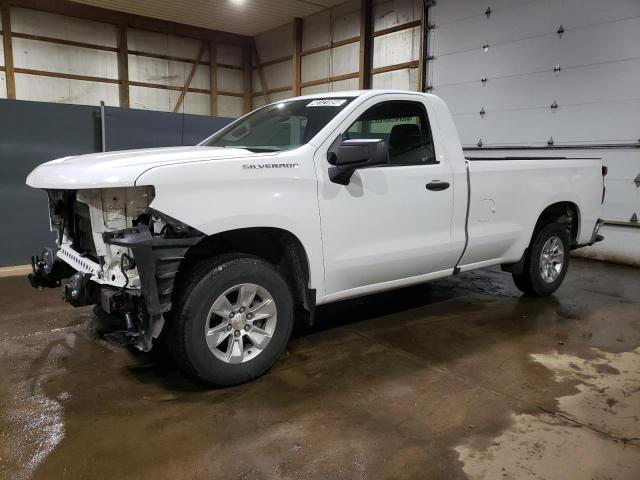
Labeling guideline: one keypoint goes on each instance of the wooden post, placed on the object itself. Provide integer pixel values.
(263, 82)
(123, 66)
(213, 77)
(297, 60)
(8, 51)
(364, 78)
(423, 54)
(247, 78)
(192, 74)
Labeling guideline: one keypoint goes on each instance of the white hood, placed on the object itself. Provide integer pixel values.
(120, 169)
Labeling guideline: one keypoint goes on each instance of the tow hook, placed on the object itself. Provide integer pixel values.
(77, 290)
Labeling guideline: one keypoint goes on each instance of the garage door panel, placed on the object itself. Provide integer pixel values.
(569, 87)
(526, 20)
(593, 123)
(622, 199)
(581, 47)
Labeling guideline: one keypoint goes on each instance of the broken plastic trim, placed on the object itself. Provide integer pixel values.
(157, 258)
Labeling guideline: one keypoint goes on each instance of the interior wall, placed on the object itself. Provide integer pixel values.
(331, 50)
(159, 65)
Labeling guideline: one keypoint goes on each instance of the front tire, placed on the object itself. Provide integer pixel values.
(232, 320)
(547, 262)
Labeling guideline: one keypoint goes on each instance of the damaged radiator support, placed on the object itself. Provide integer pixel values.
(157, 260)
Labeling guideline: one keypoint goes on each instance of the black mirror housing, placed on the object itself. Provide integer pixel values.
(356, 153)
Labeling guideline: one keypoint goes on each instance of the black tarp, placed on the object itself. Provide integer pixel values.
(32, 133)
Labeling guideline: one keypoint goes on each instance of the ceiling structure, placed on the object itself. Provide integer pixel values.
(244, 17)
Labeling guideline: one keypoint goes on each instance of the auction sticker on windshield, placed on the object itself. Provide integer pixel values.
(327, 102)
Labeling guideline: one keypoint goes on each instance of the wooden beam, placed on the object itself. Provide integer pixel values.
(335, 78)
(60, 41)
(246, 51)
(277, 60)
(213, 77)
(263, 82)
(366, 39)
(397, 66)
(10, 78)
(192, 74)
(322, 48)
(231, 67)
(297, 60)
(397, 28)
(123, 66)
(421, 64)
(270, 91)
(69, 76)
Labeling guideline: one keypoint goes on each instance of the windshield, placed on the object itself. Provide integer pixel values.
(281, 126)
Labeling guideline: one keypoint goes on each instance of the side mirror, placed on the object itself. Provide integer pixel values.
(353, 154)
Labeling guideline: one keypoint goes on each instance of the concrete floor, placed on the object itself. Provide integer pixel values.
(461, 378)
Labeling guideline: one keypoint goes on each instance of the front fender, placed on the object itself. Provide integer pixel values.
(218, 196)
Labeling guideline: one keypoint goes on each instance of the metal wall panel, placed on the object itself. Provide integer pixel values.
(258, 101)
(390, 13)
(278, 75)
(397, 47)
(230, 80)
(166, 72)
(66, 28)
(163, 44)
(229, 54)
(346, 20)
(316, 30)
(230, 107)
(146, 98)
(62, 90)
(405, 79)
(275, 43)
(51, 57)
(32, 133)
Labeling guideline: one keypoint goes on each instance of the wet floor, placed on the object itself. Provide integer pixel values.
(461, 378)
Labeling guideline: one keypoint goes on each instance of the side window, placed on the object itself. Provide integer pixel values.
(405, 128)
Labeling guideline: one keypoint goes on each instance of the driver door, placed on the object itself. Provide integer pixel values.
(387, 227)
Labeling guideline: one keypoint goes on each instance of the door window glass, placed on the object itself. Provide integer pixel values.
(405, 128)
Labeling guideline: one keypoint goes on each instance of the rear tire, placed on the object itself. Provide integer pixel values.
(547, 262)
(232, 320)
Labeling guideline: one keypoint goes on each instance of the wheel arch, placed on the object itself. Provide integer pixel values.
(565, 212)
(278, 246)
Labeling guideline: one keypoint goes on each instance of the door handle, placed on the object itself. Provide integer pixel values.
(437, 186)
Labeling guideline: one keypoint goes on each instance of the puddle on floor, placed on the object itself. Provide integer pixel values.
(595, 435)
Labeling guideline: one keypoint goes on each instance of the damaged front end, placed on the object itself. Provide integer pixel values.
(116, 252)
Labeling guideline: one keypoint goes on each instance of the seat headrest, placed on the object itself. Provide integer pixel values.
(405, 135)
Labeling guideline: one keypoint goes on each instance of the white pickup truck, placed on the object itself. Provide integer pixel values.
(303, 202)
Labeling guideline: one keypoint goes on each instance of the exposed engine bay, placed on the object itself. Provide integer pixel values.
(116, 252)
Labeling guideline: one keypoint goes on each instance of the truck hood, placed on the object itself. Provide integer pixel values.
(121, 169)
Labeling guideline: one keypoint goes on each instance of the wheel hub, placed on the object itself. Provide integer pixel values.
(241, 323)
(551, 259)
